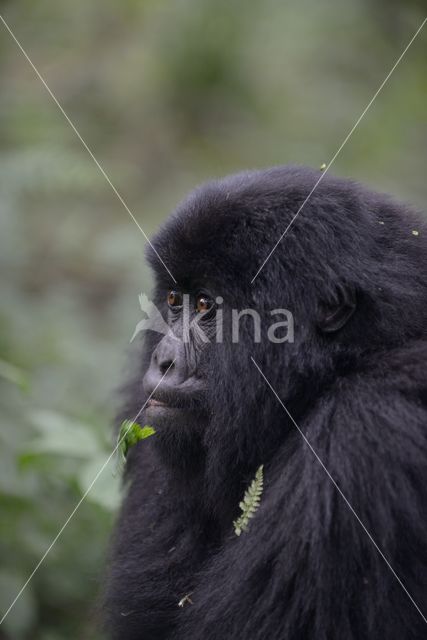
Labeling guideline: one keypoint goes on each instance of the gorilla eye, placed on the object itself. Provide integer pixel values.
(203, 304)
(174, 299)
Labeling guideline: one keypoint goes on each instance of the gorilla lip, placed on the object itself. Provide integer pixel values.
(167, 398)
(152, 402)
(156, 403)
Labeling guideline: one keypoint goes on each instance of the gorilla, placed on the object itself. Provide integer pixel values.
(335, 413)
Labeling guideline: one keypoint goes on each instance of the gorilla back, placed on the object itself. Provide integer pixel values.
(334, 410)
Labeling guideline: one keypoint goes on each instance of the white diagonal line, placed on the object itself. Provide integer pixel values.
(340, 148)
(74, 511)
(343, 496)
(72, 125)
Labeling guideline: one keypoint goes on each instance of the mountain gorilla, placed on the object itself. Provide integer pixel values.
(336, 413)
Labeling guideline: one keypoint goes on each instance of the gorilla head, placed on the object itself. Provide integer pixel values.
(344, 271)
(226, 388)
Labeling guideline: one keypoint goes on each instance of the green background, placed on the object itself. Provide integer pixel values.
(166, 94)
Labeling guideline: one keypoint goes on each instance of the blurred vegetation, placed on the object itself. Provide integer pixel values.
(166, 94)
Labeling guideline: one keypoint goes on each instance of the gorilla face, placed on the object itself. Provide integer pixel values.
(173, 381)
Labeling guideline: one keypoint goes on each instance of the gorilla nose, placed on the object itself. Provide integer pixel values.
(165, 354)
(168, 362)
(165, 364)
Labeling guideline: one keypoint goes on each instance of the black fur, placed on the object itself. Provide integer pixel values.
(306, 569)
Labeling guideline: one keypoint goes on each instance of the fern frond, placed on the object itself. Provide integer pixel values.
(250, 503)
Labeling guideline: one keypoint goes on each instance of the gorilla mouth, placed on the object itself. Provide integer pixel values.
(190, 396)
(168, 409)
(155, 405)
(168, 400)
(153, 402)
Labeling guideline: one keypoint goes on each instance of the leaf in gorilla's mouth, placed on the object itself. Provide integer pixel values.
(129, 434)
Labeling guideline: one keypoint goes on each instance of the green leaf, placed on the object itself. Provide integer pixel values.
(250, 503)
(129, 434)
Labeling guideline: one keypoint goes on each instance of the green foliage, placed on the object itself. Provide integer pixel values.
(165, 94)
(14, 374)
(47, 462)
(129, 434)
(250, 502)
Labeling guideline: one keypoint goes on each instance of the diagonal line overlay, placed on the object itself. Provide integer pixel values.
(78, 505)
(72, 125)
(340, 148)
(341, 493)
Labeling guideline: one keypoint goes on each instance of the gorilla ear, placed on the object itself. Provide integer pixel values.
(334, 316)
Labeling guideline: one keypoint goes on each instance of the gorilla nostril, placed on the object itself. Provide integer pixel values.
(166, 357)
(165, 364)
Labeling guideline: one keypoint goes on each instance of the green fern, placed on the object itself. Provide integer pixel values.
(250, 503)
